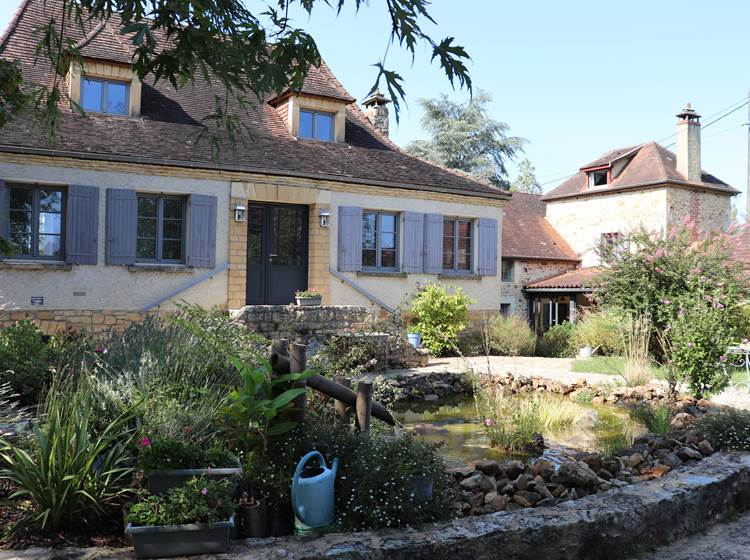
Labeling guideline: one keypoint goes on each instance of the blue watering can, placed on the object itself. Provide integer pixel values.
(312, 492)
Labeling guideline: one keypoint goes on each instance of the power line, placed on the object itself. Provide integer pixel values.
(725, 115)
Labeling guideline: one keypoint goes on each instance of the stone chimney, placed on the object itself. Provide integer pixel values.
(689, 144)
(376, 109)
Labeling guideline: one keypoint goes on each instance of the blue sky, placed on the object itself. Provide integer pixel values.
(576, 78)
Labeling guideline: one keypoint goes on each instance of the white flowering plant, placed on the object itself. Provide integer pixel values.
(728, 430)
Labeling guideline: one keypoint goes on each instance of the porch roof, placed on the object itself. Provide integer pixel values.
(578, 280)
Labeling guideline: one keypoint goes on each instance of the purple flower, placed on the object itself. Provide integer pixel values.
(665, 301)
(690, 345)
(702, 279)
(145, 442)
(722, 358)
(204, 491)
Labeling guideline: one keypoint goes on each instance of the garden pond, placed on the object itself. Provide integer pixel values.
(455, 422)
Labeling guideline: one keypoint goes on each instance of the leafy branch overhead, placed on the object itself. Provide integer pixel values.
(247, 53)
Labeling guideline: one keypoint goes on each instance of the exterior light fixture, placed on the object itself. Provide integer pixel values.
(325, 218)
(239, 213)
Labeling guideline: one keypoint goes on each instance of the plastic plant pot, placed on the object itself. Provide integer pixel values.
(415, 339)
(309, 301)
(159, 541)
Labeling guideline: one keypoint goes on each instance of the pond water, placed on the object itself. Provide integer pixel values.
(454, 421)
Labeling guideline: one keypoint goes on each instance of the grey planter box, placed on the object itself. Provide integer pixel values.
(309, 302)
(180, 540)
(160, 481)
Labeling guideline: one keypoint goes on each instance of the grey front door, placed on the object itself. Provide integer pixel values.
(276, 252)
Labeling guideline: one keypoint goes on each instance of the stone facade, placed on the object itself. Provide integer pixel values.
(710, 211)
(526, 271)
(95, 322)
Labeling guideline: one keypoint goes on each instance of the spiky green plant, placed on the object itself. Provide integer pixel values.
(655, 418)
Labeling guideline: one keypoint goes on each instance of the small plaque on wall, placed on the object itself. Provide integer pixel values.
(37, 301)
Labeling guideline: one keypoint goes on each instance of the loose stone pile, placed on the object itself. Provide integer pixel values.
(486, 486)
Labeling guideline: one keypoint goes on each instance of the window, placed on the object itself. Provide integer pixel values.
(160, 229)
(456, 245)
(379, 240)
(507, 271)
(36, 221)
(315, 125)
(505, 309)
(598, 178)
(104, 96)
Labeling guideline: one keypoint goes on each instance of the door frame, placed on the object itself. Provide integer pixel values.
(265, 243)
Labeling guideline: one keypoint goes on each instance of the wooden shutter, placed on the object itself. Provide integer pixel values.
(413, 241)
(4, 211)
(81, 224)
(488, 247)
(201, 234)
(433, 243)
(350, 239)
(122, 224)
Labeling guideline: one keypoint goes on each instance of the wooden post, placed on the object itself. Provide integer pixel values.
(342, 409)
(279, 356)
(297, 364)
(364, 405)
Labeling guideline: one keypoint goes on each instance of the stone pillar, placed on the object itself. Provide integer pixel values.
(689, 144)
(237, 289)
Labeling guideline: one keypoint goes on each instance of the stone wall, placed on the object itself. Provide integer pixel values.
(526, 272)
(94, 322)
(710, 211)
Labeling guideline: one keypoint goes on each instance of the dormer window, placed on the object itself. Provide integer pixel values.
(104, 96)
(316, 125)
(598, 178)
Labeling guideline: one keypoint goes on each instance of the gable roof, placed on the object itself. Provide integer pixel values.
(580, 280)
(528, 234)
(646, 165)
(167, 132)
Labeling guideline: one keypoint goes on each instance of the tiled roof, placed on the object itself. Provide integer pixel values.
(167, 131)
(647, 165)
(578, 279)
(528, 234)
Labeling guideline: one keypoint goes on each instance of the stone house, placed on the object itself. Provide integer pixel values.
(644, 186)
(128, 211)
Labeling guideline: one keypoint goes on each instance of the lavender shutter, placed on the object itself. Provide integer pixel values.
(350, 239)
(122, 224)
(81, 224)
(413, 241)
(488, 247)
(433, 243)
(4, 211)
(201, 235)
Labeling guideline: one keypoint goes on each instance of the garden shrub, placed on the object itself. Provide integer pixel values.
(440, 316)
(727, 430)
(199, 500)
(556, 342)
(350, 356)
(171, 453)
(603, 330)
(655, 418)
(375, 479)
(510, 336)
(25, 360)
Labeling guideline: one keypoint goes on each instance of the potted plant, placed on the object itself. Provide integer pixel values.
(192, 519)
(253, 510)
(307, 298)
(168, 463)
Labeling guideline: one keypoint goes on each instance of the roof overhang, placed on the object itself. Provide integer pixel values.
(540, 258)
(558, 290)
(657, 184)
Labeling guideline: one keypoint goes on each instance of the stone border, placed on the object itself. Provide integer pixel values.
(612, 525)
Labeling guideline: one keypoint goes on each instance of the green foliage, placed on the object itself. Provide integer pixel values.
(255, 410)
(465, 137)
(12, 416)
(25, 359)
(557, 341)
(440, 316)
(510, 336)
(526, 181)
(7, 248)
(655, 418)
(511, 423)
(375, 479)
(171, 453)
(727, 430)
(307, 294)
(73, 475)
(199, 500)
(603, 330)
(350, 356)
(248, 53)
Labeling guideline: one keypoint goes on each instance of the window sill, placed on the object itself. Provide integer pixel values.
(22, 264)
(157, 267)
(458, 276)
(382, 273)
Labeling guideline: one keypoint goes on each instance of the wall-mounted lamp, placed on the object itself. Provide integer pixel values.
(325, 218)
(239, 213)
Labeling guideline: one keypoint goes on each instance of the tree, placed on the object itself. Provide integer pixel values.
(465, 137)
(248, 52)
(526, 181)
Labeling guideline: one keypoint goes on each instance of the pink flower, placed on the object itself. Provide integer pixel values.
(204, 491)
(665, 301)
(659, 270)
(722, 358)
(187, 430)
(649, 258)
(702, 279)
(690, 345)
(489, 422)
(145, 442)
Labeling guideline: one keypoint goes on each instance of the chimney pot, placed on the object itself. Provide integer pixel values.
(689, 144)
(376, 110)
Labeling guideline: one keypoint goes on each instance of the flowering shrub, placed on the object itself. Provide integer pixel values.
(170, 453)
(200, 500)
(440, 316)
(728, 430)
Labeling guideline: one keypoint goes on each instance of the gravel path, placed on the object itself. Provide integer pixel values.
(727, 541)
